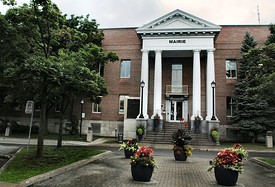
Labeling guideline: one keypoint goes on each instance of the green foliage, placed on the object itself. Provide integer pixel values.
(9, 2)
(3, 125)
(271, 37)
(215, 134)
(254, 92)
(248, 43)
(144, 157)
(49, 58)
(230, 158)
(140, 130)
(129, 145)
(72, 127)
(180, 139)
(23, 129)
(26, 165)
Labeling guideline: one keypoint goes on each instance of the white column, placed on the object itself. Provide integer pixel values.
(144, 77)
(196, 83)
(210, 76)
(157, 84)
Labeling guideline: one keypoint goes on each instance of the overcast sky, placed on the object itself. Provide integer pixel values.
(135, 13)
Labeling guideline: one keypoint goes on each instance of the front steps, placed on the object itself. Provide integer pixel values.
(165, 136)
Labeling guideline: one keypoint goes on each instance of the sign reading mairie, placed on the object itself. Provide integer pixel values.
(177, 41)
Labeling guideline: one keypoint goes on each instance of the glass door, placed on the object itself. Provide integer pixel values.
(176, 111)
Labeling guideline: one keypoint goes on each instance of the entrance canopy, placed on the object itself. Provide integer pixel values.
(178, 33)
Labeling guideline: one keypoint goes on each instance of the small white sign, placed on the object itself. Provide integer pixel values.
(83, 115)
(29, 107)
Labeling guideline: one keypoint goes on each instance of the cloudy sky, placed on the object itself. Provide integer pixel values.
(135, 13)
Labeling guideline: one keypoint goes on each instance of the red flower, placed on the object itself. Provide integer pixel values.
(237, 146)
(185, 124)
(144, 152)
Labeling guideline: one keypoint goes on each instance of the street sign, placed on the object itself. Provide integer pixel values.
(29, 107)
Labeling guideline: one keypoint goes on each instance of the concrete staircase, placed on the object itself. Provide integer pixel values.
(165, 136)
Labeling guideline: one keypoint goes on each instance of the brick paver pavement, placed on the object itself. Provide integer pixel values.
(114, 170)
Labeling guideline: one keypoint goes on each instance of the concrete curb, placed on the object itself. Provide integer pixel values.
(5, 156)
(58, 171)
(11, 158)
(264, 164)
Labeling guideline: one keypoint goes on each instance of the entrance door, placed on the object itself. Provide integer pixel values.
(175, 112)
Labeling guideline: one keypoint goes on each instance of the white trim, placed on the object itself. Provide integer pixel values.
(196, 83)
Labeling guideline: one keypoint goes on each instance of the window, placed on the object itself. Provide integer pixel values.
(96, 127)
(231, 69)
(230, 106)
(101, 69)
(177, 74)
(121, 104)
(125, 67)
(96, 108)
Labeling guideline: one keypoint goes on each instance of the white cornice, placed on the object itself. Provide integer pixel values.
(178, 22)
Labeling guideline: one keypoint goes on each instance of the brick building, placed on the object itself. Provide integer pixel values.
(177, 56)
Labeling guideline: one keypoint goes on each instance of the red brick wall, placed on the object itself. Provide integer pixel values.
(126, 44)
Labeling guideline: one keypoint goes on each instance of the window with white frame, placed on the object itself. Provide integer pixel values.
(231, 69)
(121, 103)
(96, 108)
(230, 106)
(125, 68)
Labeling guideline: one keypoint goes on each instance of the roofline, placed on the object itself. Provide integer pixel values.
(248, 25)
(115, 28)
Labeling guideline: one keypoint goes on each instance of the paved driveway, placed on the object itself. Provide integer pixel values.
(114, 170)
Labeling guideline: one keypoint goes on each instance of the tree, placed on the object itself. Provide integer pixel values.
(58, 64)
(255, 112)
(77, 77)
(248, 43)
(271, 37)
(246, 107)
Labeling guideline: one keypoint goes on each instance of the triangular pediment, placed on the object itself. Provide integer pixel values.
(178, 21)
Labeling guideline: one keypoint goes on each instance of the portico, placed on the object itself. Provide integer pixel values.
(178, 34)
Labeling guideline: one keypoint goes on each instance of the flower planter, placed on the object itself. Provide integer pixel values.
(141, 173)
(128, 153)
(213, 139)
(226, 177)
(180, 157)
(140, 137)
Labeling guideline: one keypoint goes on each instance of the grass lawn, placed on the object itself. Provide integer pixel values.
(69, 137)
(256, 146)
(26, 165)
(270, 161)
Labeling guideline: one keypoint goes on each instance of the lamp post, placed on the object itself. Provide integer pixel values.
(142, 84)
(213, 85)
(81, 116)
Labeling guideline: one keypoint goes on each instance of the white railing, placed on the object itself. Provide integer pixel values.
(177, 90)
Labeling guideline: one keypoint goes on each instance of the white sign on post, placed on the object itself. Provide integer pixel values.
(29, 110)
(29, 107)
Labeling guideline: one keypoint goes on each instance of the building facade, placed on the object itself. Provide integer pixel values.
(177, 56)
